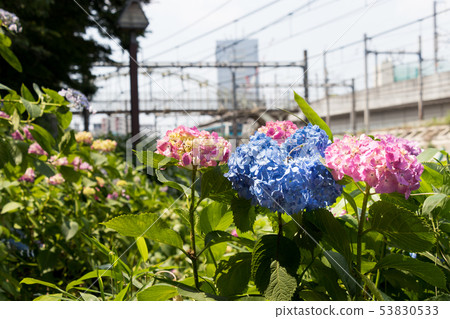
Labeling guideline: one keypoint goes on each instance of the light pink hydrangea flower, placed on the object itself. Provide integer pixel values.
(57, 179)
(78, 164)
(26, 131)
(54, 160)
(279, 130)
(29, 176)
(388, 164)
(104, 145)
(35, 148)
(192, 147)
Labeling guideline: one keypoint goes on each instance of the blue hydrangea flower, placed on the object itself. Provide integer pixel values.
(288, 177)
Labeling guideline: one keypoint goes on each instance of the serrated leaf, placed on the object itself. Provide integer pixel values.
(282, 284)
(232, 275)
(426, 271)
(148, 225)
(157, 293)
(340, 265)
(216, 186)
(244, 215)
(402, 228)
(34, 110)
(438, 202)
(215, 216)
(155, 160)
(267, 249)
(312, 116)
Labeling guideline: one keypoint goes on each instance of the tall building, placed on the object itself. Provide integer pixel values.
(247, 79)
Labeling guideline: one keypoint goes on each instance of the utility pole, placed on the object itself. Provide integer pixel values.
(436, 43)
(305, 74)
(366, 83)
(420, 104)
(86, 119)
(376, 69)
(134, 85)
(327, 96)
(353, 112)
(233, 78)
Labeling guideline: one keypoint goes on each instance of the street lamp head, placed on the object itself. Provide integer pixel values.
(133, 17)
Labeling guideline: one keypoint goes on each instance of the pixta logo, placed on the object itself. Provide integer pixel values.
(144, 143)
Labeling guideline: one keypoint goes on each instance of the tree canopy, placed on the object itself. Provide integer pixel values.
(56, 47)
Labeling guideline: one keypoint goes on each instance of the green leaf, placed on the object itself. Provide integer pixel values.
(402, 228)
(333, 231)
(148, 225)
(142, 247)
(282, 284)
(267, 249)
(399, 199)
(69, 229)
(55, 96)
(88, 297)
(44, 168)
(217, 237)
(121, 295)
(43, 137)
(340, 265)
(157, 293)
(244, 215)
(4, 87)
(426, 271)
(67, 140)
(34, 110)
(312, 116)
(9, 57)
(64, 117)
(216, 186)
(90, 275)
(215, 216)
(69, 174)
(351, 201)
(438, 202)
(232, 275)
(11, 207)
(172, 184)
(31, 281)
(26, 94)
(155, 160)
(427, 155)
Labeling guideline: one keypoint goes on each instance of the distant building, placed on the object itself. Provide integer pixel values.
(247, 79)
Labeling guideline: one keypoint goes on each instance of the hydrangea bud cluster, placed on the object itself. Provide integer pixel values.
(57, 179)
(35, 148)
(76, 98)
(287, 177)
(386, 163)
(79, 165)
(192, 147)
(104, 145)
(84, 137)
(29, 176)
(10, 21)
(279, 130)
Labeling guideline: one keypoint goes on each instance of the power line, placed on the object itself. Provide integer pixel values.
(214, 30)
(176, 33)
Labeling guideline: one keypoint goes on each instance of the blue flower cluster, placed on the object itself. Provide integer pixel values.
(288, 177)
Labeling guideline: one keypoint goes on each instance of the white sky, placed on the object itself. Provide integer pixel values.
(343, 21)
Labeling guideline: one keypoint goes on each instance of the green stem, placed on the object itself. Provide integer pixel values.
(280, 232)
(193, 255)
(383, 251)
(361, 228)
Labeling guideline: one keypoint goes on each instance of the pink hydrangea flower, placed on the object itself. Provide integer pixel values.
(56, 179)
(192, 147)
(387, 163)
(234, 233)
(54, 160)
(4, 115)
(35, 148)
(279, 130)
(113, 195)
(26, 131)
(29, 176)
(78, 164)
(17, 136)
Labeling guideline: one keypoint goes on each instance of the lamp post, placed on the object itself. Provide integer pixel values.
(133, 20)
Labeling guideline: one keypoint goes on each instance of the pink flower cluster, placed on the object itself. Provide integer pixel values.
(78, 164)
(192, 147)
(279, 130)
(388, 164)
(26, 130)
(29, 176)
(4, 115)
(62, 161)
(56, 179)
(35, 148)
